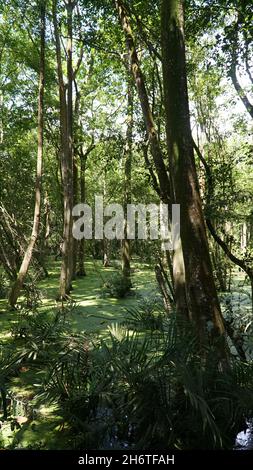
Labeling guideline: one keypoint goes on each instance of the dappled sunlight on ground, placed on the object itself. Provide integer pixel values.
(92, 311)
(89, 312)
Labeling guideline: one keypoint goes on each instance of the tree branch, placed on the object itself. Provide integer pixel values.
(239, 262)
(240, 91)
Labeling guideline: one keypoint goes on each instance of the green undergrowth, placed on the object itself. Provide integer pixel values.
(93, 311)
(90, 314)
(89, 311)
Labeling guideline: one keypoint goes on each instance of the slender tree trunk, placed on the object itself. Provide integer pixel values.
(240, 91)
(42, 250)
(47, 218)
(127, 178)
(66, 154)
(77, 186)
(163, 178)
(106, 253)
(226, 247)
(83, 160)
(70, 7)
(81, 265)
(17, 286)
(106, 242)
(144, 101)
(75, 201)
(202, 297)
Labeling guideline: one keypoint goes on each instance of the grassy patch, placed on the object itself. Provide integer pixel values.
(91, 314)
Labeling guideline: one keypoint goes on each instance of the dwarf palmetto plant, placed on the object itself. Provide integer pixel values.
(151, 388)
(76, 382)
(10, 361)
(170, 395)
(148, 314)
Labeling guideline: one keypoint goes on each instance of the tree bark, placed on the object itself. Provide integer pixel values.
(126, 267)
(81, 271)
(66, 152)
(106, 242)
(162, 174)
(201, 293)
(240, 91)
(17, 286)
(144, 101)
(81, 256)
(70, 7)
(75, 201)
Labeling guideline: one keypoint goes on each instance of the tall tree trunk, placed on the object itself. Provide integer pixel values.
(81, 266)
(106, 253)
(163, 178)
(47, 220)
(75, 201)
(144, 101)
(106, 242)
(70, 7)
(83, 160)
(17, 286)
(225, 246)
(42, 250)
(202, 297)
(127, 177)
(240, 91)
(66, 154)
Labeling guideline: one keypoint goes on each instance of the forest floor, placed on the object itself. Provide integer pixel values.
(90, 313)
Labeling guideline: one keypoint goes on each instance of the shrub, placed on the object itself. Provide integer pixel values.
(117, 286)
(170, 395)
(141, 388)
(147, 315)
(33, 296)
